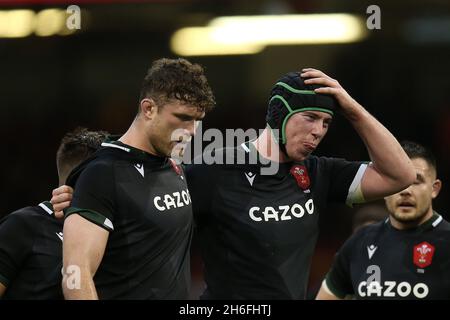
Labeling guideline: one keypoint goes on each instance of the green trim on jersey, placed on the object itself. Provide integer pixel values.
(92, 216)
(338, 293)
(4, 281)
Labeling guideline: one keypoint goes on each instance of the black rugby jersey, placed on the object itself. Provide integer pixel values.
(257, 232)
(381, 262)
(143, 201)
(31, 253)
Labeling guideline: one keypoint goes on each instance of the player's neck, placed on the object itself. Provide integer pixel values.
(268, 148)
(135, 138)
(399, 225)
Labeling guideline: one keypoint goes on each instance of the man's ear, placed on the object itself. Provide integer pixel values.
(148, 108)
(437, 185)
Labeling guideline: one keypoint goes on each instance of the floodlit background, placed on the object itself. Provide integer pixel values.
(53, 79)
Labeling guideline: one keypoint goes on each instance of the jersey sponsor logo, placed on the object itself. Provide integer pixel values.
(172, 201)
(140, 168)
(301, 176)
(250, 177)
(423, 254)
(282, 213)
(371, 250)
(60, 235)
(392, 289)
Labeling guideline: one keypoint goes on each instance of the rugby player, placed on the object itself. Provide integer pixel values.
(406, 256)
(31, 237)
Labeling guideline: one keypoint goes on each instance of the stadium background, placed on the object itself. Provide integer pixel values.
(92, 77)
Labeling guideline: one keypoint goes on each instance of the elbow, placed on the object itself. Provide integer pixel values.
(410, 175)
(406, 176)
(411, 178)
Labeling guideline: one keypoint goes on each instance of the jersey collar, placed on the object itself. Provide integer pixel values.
(138, 153)
(433, 222)
(284, 167)
(47, 207)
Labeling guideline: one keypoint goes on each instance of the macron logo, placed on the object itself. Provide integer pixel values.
(371, 250)
(250, 177)
(140, 168)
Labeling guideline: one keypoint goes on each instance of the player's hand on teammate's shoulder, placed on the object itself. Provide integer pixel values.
(61, 198)
(332, 87)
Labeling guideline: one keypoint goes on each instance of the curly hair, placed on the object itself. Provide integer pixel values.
(178, 79)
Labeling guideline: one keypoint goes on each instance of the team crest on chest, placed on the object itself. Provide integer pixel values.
(423, 254)
(300, 174)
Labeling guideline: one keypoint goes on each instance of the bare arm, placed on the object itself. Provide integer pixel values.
(325, 293)
(2, 290)
(391, 169)
(83, 248)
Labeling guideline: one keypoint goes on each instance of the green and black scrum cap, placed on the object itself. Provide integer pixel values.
(291, 95)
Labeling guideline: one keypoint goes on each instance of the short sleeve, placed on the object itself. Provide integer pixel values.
(16, 242)
(345, 179)
(338, 280)
(94, 195)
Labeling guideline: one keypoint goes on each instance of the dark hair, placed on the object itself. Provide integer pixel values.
(416, 150)
(76, 146)
(177, 79)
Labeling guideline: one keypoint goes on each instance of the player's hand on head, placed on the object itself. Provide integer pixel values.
(329, 86)
(61, 199)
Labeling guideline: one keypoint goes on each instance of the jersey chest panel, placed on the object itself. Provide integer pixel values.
(270, 208)
(412, 267)
(159, 200)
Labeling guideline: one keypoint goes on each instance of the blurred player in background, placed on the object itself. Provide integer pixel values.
(31, 237)
(406, 256)
(369, 213)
